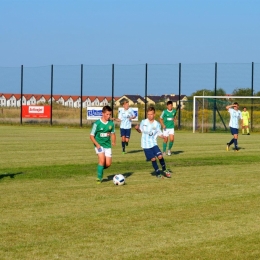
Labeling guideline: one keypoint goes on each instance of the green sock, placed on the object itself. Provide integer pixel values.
(164, 147)
(170, 145)
(100, 169)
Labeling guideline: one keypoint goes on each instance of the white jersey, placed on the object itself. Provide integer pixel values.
(235, 116)
(124, 116)
(150, 132)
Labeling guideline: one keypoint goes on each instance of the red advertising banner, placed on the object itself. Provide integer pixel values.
(36, 111)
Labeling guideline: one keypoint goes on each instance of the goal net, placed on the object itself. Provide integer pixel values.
(210, 114)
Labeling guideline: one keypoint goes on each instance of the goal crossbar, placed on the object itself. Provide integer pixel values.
(215, 97)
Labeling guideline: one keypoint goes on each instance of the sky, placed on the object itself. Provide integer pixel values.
(102, 32)
(196, 33)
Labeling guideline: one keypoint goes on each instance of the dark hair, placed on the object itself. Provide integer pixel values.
(106, 108)
(235, 103)
(244, 107)
(150, 109)
(169, 102)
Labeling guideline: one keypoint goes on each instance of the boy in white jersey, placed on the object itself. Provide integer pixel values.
(151, 129)
(102, 133)
(235, 117)
(246, 121)
(125, 117)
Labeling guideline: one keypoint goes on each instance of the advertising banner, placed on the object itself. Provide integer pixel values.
(36, 111)
(94, 113)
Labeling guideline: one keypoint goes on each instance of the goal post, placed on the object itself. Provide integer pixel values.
(227, 99)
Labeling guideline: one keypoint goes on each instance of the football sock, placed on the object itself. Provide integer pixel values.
(235, 143)
(247, 130)
(162, 162)
(170, 145)
(243, 131)
(100, 169)
(231, 141)
(126, 143)
(164, 147)
(123, 146)
(155, 166)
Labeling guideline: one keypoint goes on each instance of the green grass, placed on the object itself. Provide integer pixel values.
(52, 208)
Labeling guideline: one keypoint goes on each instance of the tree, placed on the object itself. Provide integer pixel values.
(242, 92)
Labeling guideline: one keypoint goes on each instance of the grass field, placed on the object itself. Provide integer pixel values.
(52, 208)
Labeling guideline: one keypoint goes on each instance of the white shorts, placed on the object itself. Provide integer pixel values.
(107, 151)
(168, 131)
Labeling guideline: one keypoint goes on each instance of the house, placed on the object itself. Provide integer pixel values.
(133, 100)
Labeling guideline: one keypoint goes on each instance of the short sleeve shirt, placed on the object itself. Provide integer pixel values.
(235, 116)
(168, 117)
(101, 131)
(124, 116)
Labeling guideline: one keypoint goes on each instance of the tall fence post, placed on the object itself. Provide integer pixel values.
(179, 110)
(215, 94)
(113, 82)
(252, 100)
(51, 91)
(145, 90)
(21, 99)
(81, 94)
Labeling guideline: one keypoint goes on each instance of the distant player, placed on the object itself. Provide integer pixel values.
(125, 116)
(102, 133)
(167, 122)
(246, 121)
(235, 117)
(151, 129)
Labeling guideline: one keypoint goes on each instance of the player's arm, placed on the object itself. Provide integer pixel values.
(93, 140)
(228, 107)
(113, 139)
(162, 122)
(137, 128)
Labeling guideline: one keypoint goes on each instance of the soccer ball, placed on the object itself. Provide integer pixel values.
(119, 179)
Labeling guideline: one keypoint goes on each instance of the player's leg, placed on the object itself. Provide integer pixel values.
(232, 140)
(165, 140)
(101, 163)
(127, 136)
(122, 133)
(150, 157)
(243, 129)
(171, 141)
(158, 153)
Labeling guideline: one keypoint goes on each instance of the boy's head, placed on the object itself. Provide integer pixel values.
(236, 105)
(106, 113)
(169, 105)
(125, 104)
(244, 108)
(150, 113)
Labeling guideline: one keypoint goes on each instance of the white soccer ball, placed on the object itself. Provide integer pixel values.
(119, 179)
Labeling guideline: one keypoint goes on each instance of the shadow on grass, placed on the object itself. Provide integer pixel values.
(177, 152)
(110, 177)
(11, 175)
(135, 151)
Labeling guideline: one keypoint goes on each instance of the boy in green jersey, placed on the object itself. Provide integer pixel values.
(167, 122)
(102, 135)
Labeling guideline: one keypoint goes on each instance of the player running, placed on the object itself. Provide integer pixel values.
(167, 122)
(102, 133)
(151, 129)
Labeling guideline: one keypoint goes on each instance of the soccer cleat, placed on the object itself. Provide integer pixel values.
(159, 176)
(169, 153)
(236, 150)
(227, 147)
(99, 181)
(248, 134)
(167, 173)
(123, 152)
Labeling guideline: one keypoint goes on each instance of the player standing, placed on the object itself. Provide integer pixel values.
(102, 133)
(235, 116)
(125, 116)
(167, 122)
(246, 121)
(151, 129)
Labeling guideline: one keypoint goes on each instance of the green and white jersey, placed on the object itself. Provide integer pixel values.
(167, 117)
(101, 131)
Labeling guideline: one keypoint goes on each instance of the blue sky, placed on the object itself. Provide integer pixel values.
(128, 32)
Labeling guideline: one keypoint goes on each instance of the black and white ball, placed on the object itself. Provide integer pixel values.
(119, 179)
